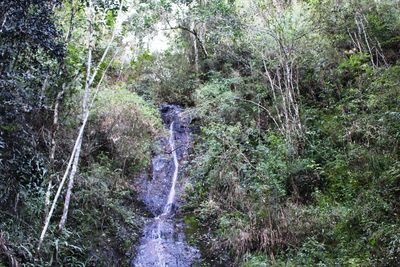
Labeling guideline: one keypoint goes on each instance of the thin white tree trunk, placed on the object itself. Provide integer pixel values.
(59, 97)
(85, 113)
(78, 140)
(53, 146)
(3, 23)
(85, 110)
(53, 206)
(195, 49)
(108, 46)
(70, 185)
(74, 158)
(77, 154)
(362, 32)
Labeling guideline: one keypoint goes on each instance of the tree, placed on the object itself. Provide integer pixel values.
(91, 75)
(30, 48)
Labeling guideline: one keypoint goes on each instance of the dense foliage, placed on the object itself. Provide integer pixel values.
(295, 111)
(43, 55)
(325, 191)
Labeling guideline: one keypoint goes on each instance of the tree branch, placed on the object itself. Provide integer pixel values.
(193, 32)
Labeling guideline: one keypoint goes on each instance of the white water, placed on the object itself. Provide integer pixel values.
(171, 196)
(158, 245)
(163, 242)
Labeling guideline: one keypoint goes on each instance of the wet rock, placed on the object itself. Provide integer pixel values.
(163, 242)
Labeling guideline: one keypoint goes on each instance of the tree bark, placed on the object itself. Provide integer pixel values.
(85, 112)
(58, 100)
(84, 115)
(54, 203)
(194, 33)
(78, 141)
(195, 49)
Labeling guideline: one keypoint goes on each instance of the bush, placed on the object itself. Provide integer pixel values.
(124, 126)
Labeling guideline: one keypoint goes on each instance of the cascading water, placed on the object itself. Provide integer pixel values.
(171, 195)
(163, 242)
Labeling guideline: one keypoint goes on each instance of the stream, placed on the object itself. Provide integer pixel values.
(163, 242)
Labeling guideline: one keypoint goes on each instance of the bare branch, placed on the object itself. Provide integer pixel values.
(191, 31)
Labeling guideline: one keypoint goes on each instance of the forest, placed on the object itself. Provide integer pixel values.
(199, 133)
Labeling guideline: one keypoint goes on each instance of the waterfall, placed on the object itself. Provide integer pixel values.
(163, 242)
(171, 195)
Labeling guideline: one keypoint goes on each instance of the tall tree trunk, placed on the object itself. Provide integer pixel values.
(61, 185)
(78, 142)
(195, 49)
(74, 158)
(85, 112)
(60, 95)
(70, 185)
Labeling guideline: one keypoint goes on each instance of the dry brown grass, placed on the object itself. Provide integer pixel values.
(274, 227)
